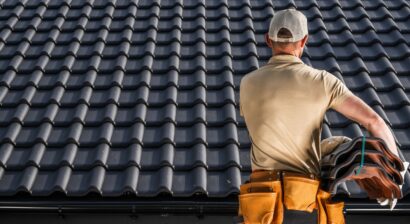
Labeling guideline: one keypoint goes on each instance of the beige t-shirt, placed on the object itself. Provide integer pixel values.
(283, 104)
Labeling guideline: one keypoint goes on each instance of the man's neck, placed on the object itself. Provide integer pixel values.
(294, 53)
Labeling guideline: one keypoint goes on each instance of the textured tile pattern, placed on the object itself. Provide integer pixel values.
(142, 97)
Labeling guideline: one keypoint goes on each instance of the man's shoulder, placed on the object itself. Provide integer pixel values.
(260, 73)
(249, 76)
(255, 73)
(317, 73)
(312, 69)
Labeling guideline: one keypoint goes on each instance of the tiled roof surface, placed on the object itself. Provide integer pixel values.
(142, 97)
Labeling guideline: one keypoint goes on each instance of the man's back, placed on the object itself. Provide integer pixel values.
(284, 103)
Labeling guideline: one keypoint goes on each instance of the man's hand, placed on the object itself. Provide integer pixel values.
(357, 110)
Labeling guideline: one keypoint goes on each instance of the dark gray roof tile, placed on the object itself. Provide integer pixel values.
(59, 136)
(192, 64)
(83, 182)
(35, 115)
(120, 158)
(45, 97)
(221, 184)
(373, 4)
(190, 80)
(353, 66)
(379, 66)
(262, 4)
(239, 26)
(24, 136)
(195, 182)
(160, 115)
(359, 81)
(403, 135)
(394, 99)
(127, 115)
(386, 81)
(373, 52)
(391, 38)
(164, 80)
(126, 135)
(400, 51)
(87, 158)
(195, 156)
(325, 131)
(14, 97)
(191, 96)
(186, 136)
(217, 51)
(161, 179)
(399, 117)
(400, 14)
(74, 97)
(314, 12)
(218, 36)
(258, 27)
(370, 96)
(322, 52)
(191, 114)
(222, 135)
(352, 130)
(92, 136)
(386, 25)
(103, 97)
(221, 115)
(55, 157)
(155, 158)
(133, 96)
(219, 80)
(379, 13)
(221, 96)
(244, 37)
(120, 182)
(243, 137)
(97, 115)
(401, 67)
(330, 64)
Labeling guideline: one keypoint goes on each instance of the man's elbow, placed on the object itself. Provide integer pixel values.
(374, 123)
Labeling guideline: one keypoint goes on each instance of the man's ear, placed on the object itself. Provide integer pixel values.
(268, 40)
(304, 41)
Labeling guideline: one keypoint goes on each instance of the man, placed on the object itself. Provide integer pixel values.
(284, 103)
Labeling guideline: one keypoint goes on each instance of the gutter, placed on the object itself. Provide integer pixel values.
(374, 208)
(198, 208)
(129, 207)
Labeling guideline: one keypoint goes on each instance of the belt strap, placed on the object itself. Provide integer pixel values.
(266, 175)
(362, 158)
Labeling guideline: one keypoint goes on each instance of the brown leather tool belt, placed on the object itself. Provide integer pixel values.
(264, 196)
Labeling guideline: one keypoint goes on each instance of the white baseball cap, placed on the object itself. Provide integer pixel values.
(292, 20)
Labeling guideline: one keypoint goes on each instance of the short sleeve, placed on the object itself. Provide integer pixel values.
(241, 95)
(336, 90)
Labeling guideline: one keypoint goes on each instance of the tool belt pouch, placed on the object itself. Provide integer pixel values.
(335, 212)
(322, 198)
(299, 193)
(257, 202)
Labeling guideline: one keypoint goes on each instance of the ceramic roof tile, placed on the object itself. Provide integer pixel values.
(142, 97)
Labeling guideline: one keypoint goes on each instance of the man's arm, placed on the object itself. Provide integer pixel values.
(357, 110)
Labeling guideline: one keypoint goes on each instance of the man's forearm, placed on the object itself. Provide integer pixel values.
(381, 130)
